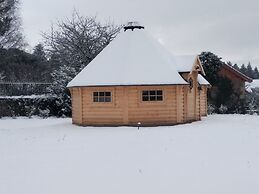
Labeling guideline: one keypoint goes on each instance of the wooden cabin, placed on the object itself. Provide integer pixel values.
(135, 81)
(237, 78)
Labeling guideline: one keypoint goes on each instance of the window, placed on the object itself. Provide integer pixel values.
(152, 95)
(102, 97)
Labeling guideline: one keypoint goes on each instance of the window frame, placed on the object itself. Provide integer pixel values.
(153, 95)
(102, 97)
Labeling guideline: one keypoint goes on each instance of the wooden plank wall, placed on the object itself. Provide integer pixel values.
(76, 105)
(191, 105)
(237, 82)
(192, 102)
(153, 113)
(127, 107)
(108, 113)
(203, 101)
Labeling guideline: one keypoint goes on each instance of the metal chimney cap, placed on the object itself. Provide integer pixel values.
(133, 25)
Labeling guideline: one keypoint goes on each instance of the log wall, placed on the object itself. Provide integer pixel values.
(204, 101)
(127, 107)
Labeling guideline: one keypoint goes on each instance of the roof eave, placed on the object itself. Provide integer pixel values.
(120, 85)
(238, 73)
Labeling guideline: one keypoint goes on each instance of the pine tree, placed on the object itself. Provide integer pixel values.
(256, 73)
(225, 89)
(211, 64)
(39, 52)
(236, 67)
(229, 63)
(249, 71)
(243, 69)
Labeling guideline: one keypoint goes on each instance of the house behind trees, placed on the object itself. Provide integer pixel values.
(237, 78)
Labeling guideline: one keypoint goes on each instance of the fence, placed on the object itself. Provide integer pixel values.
(18, 89)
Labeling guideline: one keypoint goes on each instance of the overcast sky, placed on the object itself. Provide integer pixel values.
(229, 28)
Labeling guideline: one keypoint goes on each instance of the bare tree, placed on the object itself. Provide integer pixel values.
(78, 40)
(10, 25)
(71, 45)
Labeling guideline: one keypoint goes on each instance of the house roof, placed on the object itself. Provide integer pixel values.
(132, 58)
(185, 63)
(202, 80)
(237, 73)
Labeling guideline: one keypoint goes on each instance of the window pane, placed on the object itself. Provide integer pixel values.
(159, 92)
(153, 92)
(107, 99)
(152, 98)
(159, 98)
(95, 99)
(145, 93)
(107, 93)
(95, 93)
(101, 99)
(101, 93)
(145, 98)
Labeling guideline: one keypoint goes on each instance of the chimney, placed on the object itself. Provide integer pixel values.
(132, 26)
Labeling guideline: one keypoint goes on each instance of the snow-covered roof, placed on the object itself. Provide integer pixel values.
(184, 63)
(132, 58)
(253, 85)
(202, 80)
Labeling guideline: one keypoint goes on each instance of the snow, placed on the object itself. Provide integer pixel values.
(132, 58)
(202, 80)
(184, 63)
(252, 85)
(219, 154)
(26, 96)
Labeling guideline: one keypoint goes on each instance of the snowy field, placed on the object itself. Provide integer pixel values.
(218, 155)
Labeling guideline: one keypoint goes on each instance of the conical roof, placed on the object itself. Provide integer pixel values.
(132, 58)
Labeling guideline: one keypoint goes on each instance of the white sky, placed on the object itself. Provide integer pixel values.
(228, 28)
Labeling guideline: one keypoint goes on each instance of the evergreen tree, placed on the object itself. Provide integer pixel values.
(236, 67)
(2, 76)
(225, 89)
(243, 69)
(249, 71)
(256, 73)
(229, 63)
(20, 66)
(39, 52)
(211, 64)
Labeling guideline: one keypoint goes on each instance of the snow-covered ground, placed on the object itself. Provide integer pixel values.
(253, 85)
(218, 155)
